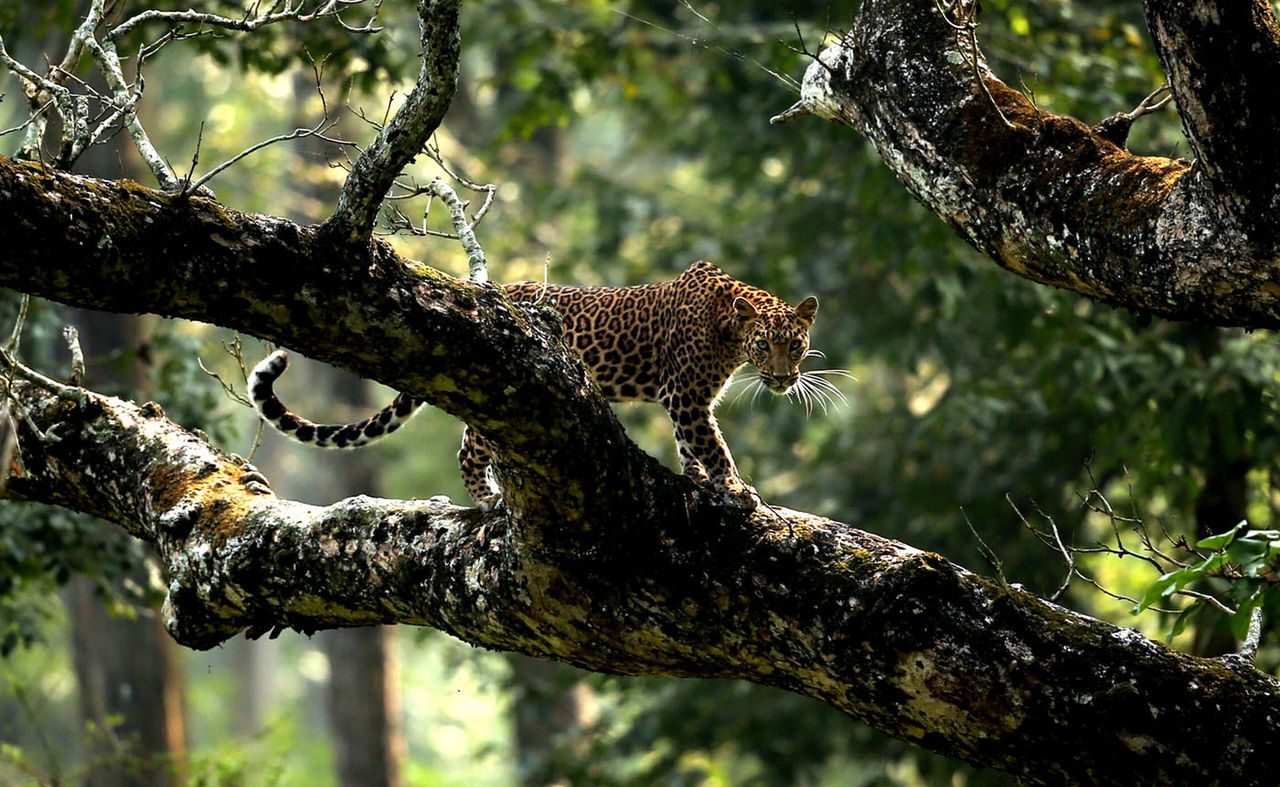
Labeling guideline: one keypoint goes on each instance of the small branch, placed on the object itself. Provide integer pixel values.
(404, 136)
(293, 11)
(108, 61)
(72, 337)
(317, 131)
(15, 337)
(987, 553)
(1205, 597)
(1249, 648)
(35, 87)
(1116, 128)
(466, 236)
(792, 112)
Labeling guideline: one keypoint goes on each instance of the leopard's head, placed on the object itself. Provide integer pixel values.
(776, 339)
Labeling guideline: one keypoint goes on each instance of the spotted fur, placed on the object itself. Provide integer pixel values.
(674, 343)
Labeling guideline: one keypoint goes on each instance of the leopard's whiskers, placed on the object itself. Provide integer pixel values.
(821, 384)
(753, 381)
(812, 387)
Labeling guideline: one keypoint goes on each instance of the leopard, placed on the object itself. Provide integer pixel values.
(674, 343)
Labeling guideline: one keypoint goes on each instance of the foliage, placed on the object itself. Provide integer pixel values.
(1245, 558)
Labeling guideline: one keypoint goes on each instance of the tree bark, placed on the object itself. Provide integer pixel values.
(1055, 200)
(902, 639)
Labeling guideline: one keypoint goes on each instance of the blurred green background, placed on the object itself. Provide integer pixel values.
(627, 139)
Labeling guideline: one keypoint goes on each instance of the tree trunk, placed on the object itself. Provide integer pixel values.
(363, 693)
(1063, 203)
(364, 705)
(130, 694)
(550, 706)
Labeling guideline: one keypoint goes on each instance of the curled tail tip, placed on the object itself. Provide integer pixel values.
(272, 366)
(265, 373)
(277, 360)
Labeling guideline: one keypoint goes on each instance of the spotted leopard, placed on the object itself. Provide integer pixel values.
(675, 343)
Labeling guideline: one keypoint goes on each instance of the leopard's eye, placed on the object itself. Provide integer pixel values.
(762, 345)
(796, 346)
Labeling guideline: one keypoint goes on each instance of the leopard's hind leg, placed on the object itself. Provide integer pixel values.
(474, 459)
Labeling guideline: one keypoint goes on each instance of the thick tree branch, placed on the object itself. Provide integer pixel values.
(1045, 196)
(405, 136)
(902, 639)
(1222, 60)
(459, 345)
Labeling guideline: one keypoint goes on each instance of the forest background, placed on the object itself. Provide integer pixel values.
(629, 139)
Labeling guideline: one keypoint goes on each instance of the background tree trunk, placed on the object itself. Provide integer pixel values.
(363, 692)
(364, 705)
(127, 669)
(550, 710)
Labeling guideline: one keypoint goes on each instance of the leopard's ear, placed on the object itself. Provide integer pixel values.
(745, 309)
(807, 309)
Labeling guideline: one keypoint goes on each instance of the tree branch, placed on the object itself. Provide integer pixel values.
(902, 639)
(1222, 61)
(1047, 197)
(403, 138)
(458, 345)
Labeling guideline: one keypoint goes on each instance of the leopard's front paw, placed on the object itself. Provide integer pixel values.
(489, 503)
(697, 474)
(738, 496)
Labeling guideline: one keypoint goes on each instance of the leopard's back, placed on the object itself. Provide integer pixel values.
(618, 332)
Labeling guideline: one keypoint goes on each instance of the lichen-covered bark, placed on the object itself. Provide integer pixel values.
(912, 644)
(1221, 59)
(1050, 198)
(604, 559)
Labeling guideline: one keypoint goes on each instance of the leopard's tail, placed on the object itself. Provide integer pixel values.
(273, 411)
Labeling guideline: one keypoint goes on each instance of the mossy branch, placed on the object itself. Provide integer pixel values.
(1049, 198)
(902, 639)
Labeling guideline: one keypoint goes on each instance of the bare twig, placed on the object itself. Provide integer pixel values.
(987, 553)
(1206, 598)
(15, 337)
(702, 42)
(962, 16)
(1116, 128)
(293, 10)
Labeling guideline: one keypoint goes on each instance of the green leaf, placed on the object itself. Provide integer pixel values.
(1184, 617)
(1162, 587)
(1240, 621)
(1220, 540)
(1248, 553)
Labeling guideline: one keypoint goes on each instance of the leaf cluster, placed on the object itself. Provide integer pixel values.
(1244, 559)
